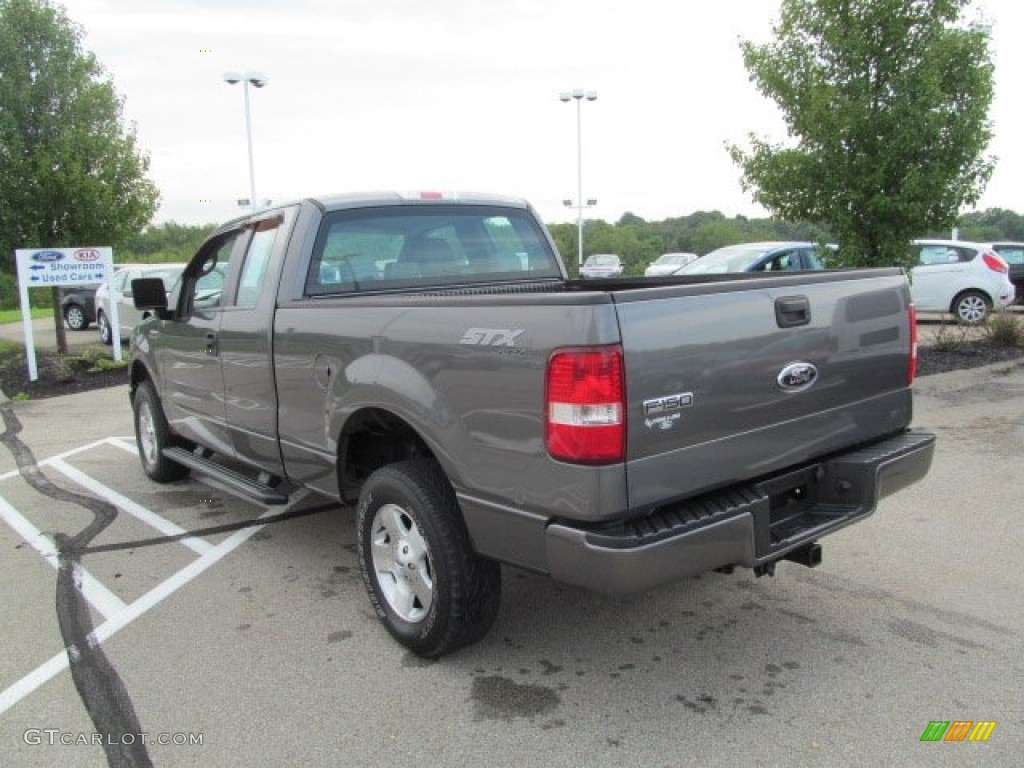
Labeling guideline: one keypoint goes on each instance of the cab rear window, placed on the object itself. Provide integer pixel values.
(367, 249)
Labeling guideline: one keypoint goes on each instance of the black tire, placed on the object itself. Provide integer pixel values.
(103, 326)
(75, 317)
(431, 590)
(153, 436)
(972, 307)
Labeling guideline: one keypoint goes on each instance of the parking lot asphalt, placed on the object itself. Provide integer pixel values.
(44, 336)
(230, 634)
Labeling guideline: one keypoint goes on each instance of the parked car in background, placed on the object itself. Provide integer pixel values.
(965, 279)
(78, 306)
(121, 292)
(601, 265)
(668, 263)
(1013, 255)
(757, 257)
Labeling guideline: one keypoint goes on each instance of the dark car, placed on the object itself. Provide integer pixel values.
(1013, 255)
(78, 305)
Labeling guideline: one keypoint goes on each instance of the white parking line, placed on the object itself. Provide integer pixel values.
(125, 444)
(115, 611)
(166, 527)
(99, 597)
(59, 662)
(80, 449)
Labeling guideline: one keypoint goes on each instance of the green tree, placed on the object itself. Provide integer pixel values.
(169, 241)
(992, 224)
(887, 103)
(70, 171)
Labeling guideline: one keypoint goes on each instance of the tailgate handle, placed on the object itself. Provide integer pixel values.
(791, 311)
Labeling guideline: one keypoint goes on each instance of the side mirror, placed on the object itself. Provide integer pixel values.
(149, 293)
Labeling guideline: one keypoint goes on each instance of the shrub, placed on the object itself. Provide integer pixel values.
(1003, 329)
(953, 338)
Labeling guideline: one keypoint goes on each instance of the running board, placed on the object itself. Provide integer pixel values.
(235, 480)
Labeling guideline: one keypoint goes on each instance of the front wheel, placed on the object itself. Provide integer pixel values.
(103, 325)
(153, 436)
(971, 307)
(431, 590)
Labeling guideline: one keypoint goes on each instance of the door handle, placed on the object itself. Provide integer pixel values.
(792, 311)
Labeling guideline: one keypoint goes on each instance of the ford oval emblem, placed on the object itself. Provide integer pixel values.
(47, 256)
(796, 377)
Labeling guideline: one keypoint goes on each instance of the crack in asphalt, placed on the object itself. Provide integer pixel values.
(100, 688)
(212, 530)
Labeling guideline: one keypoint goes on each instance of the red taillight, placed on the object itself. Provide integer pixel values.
(912, 365)
(585, 405)
(995, 263)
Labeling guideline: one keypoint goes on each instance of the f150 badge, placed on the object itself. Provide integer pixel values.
(796, 377)
(664, 412)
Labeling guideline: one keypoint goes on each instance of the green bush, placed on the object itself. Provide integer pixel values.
(1003, 329)
(953, 338)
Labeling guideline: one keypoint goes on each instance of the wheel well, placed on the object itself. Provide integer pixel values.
(964, 292)
(373, 438)
(139, 374)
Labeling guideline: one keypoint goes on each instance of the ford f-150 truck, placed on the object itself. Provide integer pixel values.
(427, 357)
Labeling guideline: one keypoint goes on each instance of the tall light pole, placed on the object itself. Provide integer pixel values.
(256, 80)
(578, 95)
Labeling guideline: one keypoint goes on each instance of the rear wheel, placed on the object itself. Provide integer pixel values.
(972, 307)
(431, 590)
(103, 325)
(153, 436)
(75, 317)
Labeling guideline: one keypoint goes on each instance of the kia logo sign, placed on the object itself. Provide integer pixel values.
(47, 256)
(87, 254)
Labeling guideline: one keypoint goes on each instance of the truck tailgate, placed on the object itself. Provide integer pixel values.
(732, 381)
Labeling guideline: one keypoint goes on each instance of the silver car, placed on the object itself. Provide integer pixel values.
(601, 265)
(120, 291)
(668, 263)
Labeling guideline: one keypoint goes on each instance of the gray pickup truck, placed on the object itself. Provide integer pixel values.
(427, 357)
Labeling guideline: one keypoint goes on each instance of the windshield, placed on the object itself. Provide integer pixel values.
(169, 276)
(674, 258)
(603, 260)
(732, 258)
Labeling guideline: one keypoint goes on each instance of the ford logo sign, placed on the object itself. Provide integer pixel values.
(47, 256)
(796, 377)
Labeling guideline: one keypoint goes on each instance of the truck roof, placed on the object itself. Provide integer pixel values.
(418, 197)
(341, 201)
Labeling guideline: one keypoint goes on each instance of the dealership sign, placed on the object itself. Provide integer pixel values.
(55, 267)
(48, 267)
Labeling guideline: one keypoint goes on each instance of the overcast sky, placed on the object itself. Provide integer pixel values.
(463, 95)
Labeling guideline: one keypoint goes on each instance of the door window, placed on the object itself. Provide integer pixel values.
(256, 259)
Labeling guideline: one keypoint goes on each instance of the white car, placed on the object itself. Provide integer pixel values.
(965, 279)
(668, 263)
(601, 265)
(121, 292)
